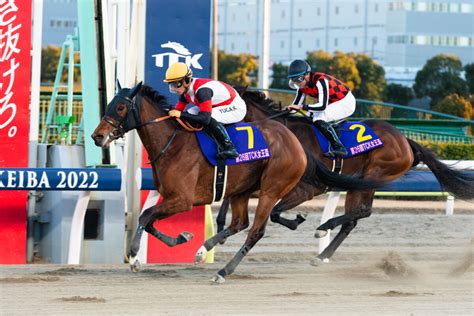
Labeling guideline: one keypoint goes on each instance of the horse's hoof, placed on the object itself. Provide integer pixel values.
(218, 279)
(320, 233)
(135, 264)
(302, 216)
(187, 236)
(318, 261)
(200, 256)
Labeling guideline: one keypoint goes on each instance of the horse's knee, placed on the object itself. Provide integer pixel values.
(243, 225)
(275, 216)
(145, 218)
(361, 211)
(349, 226)
(364, 212)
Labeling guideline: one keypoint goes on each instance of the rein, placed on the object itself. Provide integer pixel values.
(185, 124)
(165, 148)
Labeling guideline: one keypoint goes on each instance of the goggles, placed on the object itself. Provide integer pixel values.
(176, 84)
(298, 79)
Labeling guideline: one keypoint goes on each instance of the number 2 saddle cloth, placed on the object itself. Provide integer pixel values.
(357, 137)
(247, 139)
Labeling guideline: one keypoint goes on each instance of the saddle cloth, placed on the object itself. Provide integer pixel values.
(247, 139)
(357, 137)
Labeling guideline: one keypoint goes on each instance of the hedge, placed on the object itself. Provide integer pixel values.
(451, 151)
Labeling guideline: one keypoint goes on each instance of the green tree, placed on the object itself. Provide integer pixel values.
(319, 61)
(398, 94)
(344, 68)
(440, 77)
(280, 76)
(372, 78)
(469, 69)
(237, 69)
(455, 104)
(339, 65)
(49, 63)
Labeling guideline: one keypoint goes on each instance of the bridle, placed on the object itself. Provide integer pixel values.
(129, 122)
(125, 123)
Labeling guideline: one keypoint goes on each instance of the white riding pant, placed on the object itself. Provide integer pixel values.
(226, 114)
(335, 111)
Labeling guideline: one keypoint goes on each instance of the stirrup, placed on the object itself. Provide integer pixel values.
(341, 152)
(227, 154)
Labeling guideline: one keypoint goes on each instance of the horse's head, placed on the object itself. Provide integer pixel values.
(121, 115)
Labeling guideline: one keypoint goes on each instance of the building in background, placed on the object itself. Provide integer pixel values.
(59, 20)
(419, 30)
(399, 35)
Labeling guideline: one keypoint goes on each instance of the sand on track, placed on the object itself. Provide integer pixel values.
(392, 264)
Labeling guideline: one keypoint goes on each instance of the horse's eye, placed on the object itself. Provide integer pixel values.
(121, 108)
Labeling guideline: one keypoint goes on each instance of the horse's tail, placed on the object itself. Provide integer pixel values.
(317, 174)
(453, 181)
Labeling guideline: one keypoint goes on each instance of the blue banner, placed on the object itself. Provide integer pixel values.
(176, 31)
(100, 179)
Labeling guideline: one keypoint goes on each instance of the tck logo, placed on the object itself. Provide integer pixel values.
(180, 54)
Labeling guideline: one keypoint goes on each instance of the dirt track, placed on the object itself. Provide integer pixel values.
(392, 264)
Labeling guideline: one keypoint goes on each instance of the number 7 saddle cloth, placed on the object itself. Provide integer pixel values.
(247, 139)
(357, 137)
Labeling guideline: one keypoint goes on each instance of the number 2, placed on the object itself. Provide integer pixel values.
(360, 134)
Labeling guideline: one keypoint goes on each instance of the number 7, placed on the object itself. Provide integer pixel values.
(249, 133)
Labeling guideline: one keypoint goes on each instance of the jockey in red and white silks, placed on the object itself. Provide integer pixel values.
(219, 98)
(212, 103)
(335, 100)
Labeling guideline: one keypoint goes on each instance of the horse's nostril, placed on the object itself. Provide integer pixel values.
(97, 137)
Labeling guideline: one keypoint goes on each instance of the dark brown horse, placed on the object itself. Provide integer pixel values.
(184, 178)
(386, 164)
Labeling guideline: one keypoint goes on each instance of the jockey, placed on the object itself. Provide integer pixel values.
(335, 100)
(213, 103)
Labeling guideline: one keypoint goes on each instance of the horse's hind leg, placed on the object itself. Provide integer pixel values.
(240, 221)
(358, 205)
(301, 193)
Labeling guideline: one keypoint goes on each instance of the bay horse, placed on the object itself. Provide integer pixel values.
(184, 177)
(386, 163)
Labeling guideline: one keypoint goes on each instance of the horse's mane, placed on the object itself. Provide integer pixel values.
(268, 104)
(260, 98)
(157, 99)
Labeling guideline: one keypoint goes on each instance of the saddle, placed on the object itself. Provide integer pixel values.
(250, 145)
(357, 137)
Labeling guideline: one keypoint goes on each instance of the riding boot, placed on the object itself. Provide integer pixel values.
(337, 148)
(226, 147)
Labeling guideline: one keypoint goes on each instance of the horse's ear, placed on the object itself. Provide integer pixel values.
(118, 85)
(135, 90)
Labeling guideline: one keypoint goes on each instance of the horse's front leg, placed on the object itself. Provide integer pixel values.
(300, 193)
(239, 222)
(358, 205)
(166, 208)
